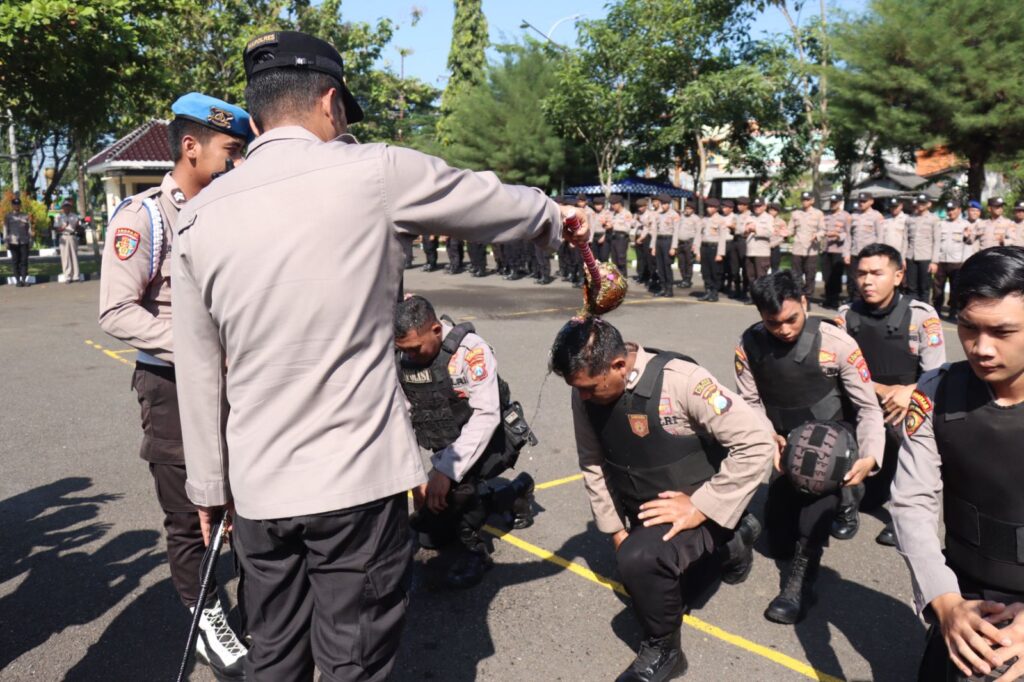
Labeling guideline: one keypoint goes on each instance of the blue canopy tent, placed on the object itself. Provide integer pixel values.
(632, 187)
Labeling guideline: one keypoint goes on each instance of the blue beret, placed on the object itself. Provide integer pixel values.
(974, 204)
(213, 113)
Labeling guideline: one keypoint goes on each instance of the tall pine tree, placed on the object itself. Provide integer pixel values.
(466, 60)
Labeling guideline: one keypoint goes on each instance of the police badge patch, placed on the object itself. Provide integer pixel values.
(918, 410)
(476, 363)
(126, 242)
(638, 423)
(933, 331)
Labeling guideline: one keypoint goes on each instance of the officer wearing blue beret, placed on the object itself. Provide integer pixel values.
(206, 138)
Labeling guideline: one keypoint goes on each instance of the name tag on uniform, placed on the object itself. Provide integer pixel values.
(423, 376)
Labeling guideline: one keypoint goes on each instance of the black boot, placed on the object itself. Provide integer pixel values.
(738, 554)
(797, 594)
(468, 570)
(659, 659)
(514, 500)
(847, 521)
(887, 537)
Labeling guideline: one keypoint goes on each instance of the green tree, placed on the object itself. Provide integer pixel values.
(499, 127)
(920, 73)
(466, 60)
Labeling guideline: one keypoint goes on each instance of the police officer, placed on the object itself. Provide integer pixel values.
(954, 245)
(670, 461)
(996, 228)
(780, 232)
(757, 231)
(645, 218)
(1016, 236)
(865, 228)
(67, 224)
(621, 226)
(290, 402)
(19, 231)
(600, 221)
(807, 224)
(894, 227)
(689, 228)
(456, 250)
(666, 225)
(710, 249)
(923, 237)
(450, 379)
(430, 246)
(902, 339)
(962, 456)
(736, 280)
(206, 136)
(796, 369)
(837, 249)
(477, 258)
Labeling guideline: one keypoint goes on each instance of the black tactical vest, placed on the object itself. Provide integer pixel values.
(642, 459)
(789, 379)
(885, 342)
(983, 480)
(438, 413)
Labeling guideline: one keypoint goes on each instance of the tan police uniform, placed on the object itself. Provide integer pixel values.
(710, 248)
(66, 225)
(689, 228)
(621, 227)
(954, 245)
(757, 231)
(922, 237)
(996, 232)
(837, 248)
(665, 244)
(808, 228)
(865, 228)
(894, 232)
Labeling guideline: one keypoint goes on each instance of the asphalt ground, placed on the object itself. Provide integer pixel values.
(85, 593)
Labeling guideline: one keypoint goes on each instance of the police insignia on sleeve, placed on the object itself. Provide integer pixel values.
(664, 406)
(126, 242)
(826, 357)
(477, 364)
(740, 359)
(918, 410)
(702, 386)
(860, 364)
(719, 403)
(638, 423)
(933, 331)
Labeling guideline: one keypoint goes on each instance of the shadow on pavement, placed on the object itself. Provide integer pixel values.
(62, 585)
(447, 634)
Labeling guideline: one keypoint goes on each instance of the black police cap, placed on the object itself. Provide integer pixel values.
(1019, 206)
(295, 50)
(806, 195)
(664, 198)
(743, 201)
(729, 203)
(615, 199)
(713, 203)
(757, 202)
(581, 197)
(995, 201)
(864, 196)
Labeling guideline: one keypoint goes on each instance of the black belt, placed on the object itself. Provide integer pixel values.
(664, 236)
(624, 235)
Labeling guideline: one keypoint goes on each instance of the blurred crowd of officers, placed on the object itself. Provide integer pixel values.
(737, 240)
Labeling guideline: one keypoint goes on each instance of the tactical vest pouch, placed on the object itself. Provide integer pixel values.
(513, 435)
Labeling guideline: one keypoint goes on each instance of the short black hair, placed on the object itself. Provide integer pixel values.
(771, 291)
(993, 274)
(179, 127)
(585, 343)
(879, 249)
(279, 93)
(412, 314)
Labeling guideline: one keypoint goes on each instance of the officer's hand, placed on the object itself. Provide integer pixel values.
(846, 260)
(671, 507)
(859, 471)
(582, 233)
(1011, 620)
(619, 538)
(896, 404)
(672, 253)
(210, 516)
(653, 253)
(601, 240)
(781, 443)
(696, 256)
(967, 634)
(438, 486)
(718, 259)
(933, 268)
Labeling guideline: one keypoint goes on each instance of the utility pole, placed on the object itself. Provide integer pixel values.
(12, 141)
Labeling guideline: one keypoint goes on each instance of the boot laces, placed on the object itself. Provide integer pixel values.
(222, 631)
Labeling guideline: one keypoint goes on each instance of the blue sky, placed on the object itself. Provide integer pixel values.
(431, 37)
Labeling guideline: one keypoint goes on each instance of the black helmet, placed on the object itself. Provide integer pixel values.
(818, 455)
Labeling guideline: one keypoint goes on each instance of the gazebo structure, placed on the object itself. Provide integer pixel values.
(631, 187)
(134, 163)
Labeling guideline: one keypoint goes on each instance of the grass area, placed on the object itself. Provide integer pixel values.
(37, 269)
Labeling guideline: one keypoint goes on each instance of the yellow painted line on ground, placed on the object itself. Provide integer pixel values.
(558, 481)
(115, 354)
(694, 622)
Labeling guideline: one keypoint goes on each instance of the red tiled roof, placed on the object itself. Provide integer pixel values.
(147, 143)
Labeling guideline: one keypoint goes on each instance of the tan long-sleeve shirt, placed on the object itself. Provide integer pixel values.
(808, 229)
(692, 401)
(286, 272)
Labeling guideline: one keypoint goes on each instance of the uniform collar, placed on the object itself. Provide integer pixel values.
(642, 358)
(282, 133)
(169, 188)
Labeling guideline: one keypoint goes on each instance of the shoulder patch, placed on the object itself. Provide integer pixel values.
(854, 357)
(664, 406)
(740, 360)
(704, 385)
(917, 412)
(826, 357)
(126, 242)
(477, 364)
(933, 331)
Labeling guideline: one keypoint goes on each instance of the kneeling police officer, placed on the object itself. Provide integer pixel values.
(798, 369)
(962, 457)
(461, 411)
(670, 460)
